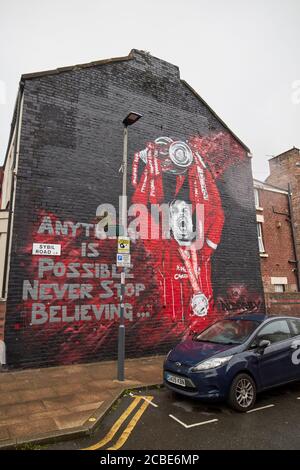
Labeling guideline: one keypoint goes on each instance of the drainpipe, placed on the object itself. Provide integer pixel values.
(2, 353)
(293, 234)
(12, 191)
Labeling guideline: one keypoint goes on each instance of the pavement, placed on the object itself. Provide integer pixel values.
(40, 405)
(157, 419)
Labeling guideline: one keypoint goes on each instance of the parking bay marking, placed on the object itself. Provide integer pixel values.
(128, 430)
(188, 426)
(260, 408)
(116, 426)
(144, 398)
(148, 401)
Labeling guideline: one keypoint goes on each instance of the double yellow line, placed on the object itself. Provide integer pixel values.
(129, 428)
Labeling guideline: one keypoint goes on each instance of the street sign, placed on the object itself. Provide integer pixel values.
(123, 245)
(123, 260)
(48, 249)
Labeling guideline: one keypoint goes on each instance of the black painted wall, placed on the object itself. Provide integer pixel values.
(70, 155)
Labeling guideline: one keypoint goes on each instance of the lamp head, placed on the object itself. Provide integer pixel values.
(131, 118)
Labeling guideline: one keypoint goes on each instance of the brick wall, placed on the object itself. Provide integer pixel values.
(283, 168)
(279, 260)
(283, 171)
(283, 304)
(65, 309)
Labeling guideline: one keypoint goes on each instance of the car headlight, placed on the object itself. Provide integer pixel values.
(211, 363)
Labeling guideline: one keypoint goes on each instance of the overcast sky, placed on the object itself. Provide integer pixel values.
(242, 56)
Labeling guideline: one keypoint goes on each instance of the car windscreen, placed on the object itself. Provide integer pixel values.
(228, 331)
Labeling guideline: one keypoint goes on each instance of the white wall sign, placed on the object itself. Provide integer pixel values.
(123, 260)
(279, 280)
(123, 245)
(46, 249)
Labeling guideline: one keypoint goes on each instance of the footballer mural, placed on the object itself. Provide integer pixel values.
(184, 175)
(176, 173)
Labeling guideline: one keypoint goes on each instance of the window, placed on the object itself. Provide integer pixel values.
(279, 287)
(260, 238)
(275, 331)
(256, 197)
(295, 322)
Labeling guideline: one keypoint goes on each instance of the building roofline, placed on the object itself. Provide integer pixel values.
(217, 117)
(29, 76)
(130, 56)
(13, 123)
(268, 187)
(283, 153)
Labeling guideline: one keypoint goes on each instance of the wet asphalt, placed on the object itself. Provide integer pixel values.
(271, 427)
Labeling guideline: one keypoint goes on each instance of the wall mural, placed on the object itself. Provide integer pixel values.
(184, 271)
(72, 301)
(184, 174)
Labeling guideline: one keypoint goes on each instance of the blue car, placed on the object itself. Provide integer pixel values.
(235, 358)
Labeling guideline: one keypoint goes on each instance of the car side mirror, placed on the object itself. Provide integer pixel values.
(263, 344)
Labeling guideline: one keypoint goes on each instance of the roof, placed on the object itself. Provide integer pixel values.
(70, 68)
(130, 56)
(268, 187)
(283, 153)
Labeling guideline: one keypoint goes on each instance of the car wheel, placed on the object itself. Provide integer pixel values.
(242, 393)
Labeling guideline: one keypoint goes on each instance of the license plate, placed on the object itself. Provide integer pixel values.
(176, 380)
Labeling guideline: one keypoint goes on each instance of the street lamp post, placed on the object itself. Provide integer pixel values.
(130, 119)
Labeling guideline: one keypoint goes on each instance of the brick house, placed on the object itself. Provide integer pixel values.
(278, 225)
(285, 173)
(59, 277)
(275, 237)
